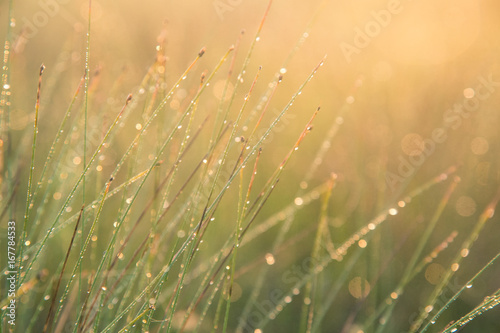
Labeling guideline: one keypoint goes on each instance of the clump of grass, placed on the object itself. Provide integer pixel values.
(178, 219)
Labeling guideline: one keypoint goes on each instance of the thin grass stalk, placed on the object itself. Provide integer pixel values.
(5, 108)
(334, 290)
(85, 245)
(76, 185)
(113, 260)
(247, 97)
(166, 268)
(135, 320)
(30, 177)
(85, 117)
(132, 145)
(242, 209)
(82, 253)
(264, 136)
(221, 264)
(217, 286)
(252, 234)
(268, 187)
(72, 192)
(469, 284)
(48, 322)
(189, 253)
(341, 251)
(8, 202)
(464, 251)
(220, 304)
(190, 108)
(489, 303)
(260, 280)
(50, 159)
(164, 145)
(380, 270)
(309, 293)
(256, 38)
(56, 140)
(418, 251)
(229, 143)
(216, 134)
(39, 308)
(419, 267)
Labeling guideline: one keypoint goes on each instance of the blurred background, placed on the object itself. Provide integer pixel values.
(414, 87)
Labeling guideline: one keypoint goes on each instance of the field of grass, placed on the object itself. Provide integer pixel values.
(250, 166)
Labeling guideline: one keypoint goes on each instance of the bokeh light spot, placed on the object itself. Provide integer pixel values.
(479, 146)
(412, 144)
(359, 287)
(465, 206)
(434, 273)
